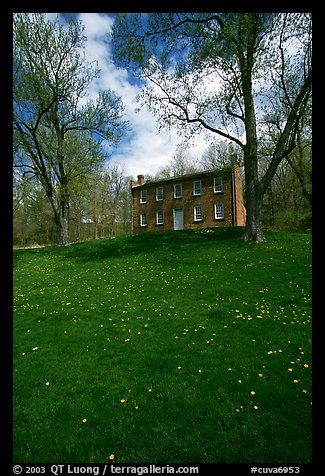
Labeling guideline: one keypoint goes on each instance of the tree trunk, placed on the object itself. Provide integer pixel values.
(63, 225)
(253, 230)
(254, 203)
(64, 231)
(254, 195)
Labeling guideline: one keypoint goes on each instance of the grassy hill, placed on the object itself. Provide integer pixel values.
(175, 347)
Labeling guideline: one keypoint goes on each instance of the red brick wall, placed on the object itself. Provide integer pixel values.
(208, 199)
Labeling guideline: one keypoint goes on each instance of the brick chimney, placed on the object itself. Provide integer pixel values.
(140, 179)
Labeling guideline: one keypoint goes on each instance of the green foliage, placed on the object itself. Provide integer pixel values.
(293, 221)
(240, 76)
(57, 132)
(172, 347)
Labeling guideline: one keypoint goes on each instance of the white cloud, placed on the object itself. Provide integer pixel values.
(145, 150)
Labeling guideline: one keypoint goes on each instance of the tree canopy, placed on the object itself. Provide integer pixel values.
(58, 132)
(245, 77)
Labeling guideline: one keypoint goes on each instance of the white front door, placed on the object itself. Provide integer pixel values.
(178, 219)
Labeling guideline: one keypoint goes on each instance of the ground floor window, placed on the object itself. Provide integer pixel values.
(143, 219)
(198, 213)
(219, 213)
(160, 217)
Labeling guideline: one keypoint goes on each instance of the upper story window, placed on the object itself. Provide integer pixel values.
(159, 194)
(143, 196)
(178, 190)
(217, 185)
(197, 187)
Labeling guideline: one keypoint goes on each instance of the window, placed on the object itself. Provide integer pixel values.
(217, 185)
(198, 213)
(143, 219)
(178, 190)
(143, 196)
(160, 217)
(197, 187)
(159, 194)
(219, 211)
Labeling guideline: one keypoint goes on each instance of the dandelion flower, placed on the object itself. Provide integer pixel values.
(111, 457)
(260, 375)
(252, 392)
(122, 401)
(47, 384)
(306, 366)
(34, 349)
(84, 420)
(255, 407)
(290, 370)
(295, 381)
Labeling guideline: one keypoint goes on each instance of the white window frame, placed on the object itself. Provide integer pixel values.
(159, 194)
(198, 215)
(179, 193)
(219, 211)
(197, 187)
(142, 194)
(143, 219)
(217, 188)
(159, 217)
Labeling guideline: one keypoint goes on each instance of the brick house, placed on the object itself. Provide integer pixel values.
(200, 200)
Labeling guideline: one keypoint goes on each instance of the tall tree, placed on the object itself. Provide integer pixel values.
(58, 134)
(230, 74)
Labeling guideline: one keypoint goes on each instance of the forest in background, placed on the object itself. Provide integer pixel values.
(100, 205)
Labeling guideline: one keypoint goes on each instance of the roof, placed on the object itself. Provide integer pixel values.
(212, 173)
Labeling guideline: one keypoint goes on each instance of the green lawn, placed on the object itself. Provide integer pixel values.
(171, 347)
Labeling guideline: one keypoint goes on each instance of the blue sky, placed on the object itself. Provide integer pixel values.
(144, 150)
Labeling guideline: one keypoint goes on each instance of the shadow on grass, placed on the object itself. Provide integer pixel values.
(135, 244)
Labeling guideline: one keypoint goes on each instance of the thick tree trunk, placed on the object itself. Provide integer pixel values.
(254, 195)
(254, 202)
(63, 231)
(254, 230)
(62, 222)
